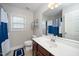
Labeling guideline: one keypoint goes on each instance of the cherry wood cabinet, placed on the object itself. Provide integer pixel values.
(34, 50)
(39, 51)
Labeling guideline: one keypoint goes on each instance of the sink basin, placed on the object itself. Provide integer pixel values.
(51, 44)
(47, 42)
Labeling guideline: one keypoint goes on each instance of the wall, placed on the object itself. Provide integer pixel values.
(66, 9)
(55, 20)
(16, 37)
(42, 18)
(54, 17)
(39, 15)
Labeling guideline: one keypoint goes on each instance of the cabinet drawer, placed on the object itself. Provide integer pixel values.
(43, 51)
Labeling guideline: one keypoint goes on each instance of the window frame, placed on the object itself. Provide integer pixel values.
(17, 29)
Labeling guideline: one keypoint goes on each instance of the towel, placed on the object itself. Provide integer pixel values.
(5, 47)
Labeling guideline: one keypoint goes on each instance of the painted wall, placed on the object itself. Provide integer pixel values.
(66, 9)
(54, 20)
(19, 37)
(42, 19)
(39, 15)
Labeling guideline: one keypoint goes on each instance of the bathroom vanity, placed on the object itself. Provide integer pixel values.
(39, 50)
(43, 46)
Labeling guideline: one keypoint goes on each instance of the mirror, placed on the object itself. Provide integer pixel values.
(66, 18)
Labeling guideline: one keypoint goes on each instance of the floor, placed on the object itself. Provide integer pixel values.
(28, 52)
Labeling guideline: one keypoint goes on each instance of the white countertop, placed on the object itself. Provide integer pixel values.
(59, 48)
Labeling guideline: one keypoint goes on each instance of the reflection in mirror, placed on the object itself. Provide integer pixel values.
(63, 21)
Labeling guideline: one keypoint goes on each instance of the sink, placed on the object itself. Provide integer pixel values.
(53, 44)
(50, 44)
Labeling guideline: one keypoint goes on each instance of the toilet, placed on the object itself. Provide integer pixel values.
(28, 45)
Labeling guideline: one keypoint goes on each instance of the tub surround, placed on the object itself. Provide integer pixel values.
(61, 46)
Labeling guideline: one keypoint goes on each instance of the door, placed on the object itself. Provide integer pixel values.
(72, 25)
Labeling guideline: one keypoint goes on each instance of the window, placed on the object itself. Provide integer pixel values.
(17, 23)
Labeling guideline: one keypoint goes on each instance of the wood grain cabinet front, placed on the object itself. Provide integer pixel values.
(40, 51)
(34, 50)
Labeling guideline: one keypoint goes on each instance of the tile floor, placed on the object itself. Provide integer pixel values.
(27, 53)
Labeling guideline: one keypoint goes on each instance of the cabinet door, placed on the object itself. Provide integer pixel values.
(40, 51)
(43, 51)
(34, 51)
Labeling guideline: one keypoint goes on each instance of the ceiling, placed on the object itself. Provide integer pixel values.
(36, 6)
(30, 6)
(52, 12)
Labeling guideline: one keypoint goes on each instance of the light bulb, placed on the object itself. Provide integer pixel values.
(51, 5)
(56, 5)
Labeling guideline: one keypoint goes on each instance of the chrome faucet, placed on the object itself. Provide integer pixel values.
(52, 39)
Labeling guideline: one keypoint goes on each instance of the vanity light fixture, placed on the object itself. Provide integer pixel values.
(56, 5)
(53, 5)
